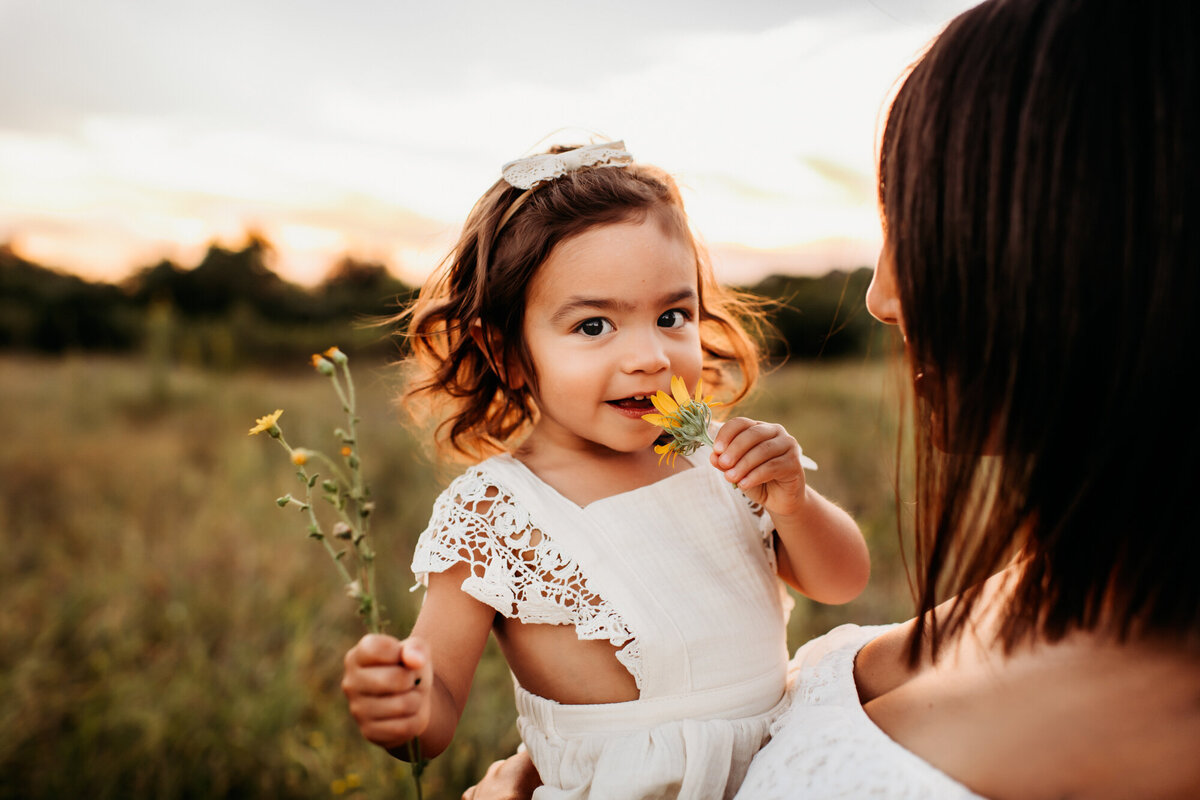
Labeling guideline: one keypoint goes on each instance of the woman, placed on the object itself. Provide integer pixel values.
(1038, 177)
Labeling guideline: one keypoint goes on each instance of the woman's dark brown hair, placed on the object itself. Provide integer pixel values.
(460, 377)
(1038, 178)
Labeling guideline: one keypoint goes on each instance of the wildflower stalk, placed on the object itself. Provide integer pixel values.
(350, 496)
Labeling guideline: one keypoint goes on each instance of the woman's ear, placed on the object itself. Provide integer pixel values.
(489, 344)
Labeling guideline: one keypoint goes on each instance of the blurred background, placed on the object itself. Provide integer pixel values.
(195, 197)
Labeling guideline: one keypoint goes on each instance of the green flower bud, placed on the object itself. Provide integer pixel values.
(322, 364)
(336, 356)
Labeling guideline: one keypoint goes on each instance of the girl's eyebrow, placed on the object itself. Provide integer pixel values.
(576, 304)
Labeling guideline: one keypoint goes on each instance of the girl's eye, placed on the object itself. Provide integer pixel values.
(673, 318)
(594, 327)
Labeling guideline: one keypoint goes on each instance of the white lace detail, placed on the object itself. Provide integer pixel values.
(515, 568)
(525, 173)
(824, 745)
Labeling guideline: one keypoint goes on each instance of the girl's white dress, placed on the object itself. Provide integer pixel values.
(825, 746)
(680, 575)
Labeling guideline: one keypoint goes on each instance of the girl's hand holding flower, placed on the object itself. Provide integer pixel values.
(765, 462)
(387, 682)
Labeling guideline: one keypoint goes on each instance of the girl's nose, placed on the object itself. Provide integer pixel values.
(646, 354)
(883, 298)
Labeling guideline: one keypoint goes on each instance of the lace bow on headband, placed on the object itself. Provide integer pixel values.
(525, 173)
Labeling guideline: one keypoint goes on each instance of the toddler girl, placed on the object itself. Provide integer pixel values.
(637, 603)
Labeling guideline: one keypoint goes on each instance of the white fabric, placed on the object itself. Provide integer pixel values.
(825, 746)
(679, 574)
(525, 173)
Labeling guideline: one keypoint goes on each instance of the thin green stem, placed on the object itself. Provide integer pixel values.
(338, 475)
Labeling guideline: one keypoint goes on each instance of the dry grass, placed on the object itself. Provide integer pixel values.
(167, 631)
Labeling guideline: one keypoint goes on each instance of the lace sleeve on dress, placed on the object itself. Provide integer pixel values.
(514, 567)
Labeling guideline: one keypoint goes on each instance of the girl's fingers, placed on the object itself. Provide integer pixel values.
(780, 470)
(729, 431)
(380, 681)
(756, 445)
(374, 649)
(777, 452)
(369, 709)
(748, 435)
(415, 656)
(391, 733)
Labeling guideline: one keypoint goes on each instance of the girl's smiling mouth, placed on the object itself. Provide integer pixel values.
(633, 406)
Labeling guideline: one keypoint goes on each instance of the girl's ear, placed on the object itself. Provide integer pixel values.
(489, 344)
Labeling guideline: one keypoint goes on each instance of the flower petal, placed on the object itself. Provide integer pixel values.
(664, 403)
(679, 389)
(659, 420)
(700, 391)
(266, 423)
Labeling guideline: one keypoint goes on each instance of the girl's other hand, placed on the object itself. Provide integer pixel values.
(514, 778)
(386, 682)
(763, 460)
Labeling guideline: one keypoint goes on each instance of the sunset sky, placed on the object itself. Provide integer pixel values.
(131, 131)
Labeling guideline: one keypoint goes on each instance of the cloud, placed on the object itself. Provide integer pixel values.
(857, 187)
(385, 121)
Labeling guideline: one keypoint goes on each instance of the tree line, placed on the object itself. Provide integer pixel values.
(232, 309)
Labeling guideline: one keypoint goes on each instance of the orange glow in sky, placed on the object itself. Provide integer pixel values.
(371, 130)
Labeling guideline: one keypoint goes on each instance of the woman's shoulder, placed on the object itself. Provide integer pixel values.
(1080, 717)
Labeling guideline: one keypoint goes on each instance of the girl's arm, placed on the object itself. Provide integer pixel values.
(820, 550)
(416, 688)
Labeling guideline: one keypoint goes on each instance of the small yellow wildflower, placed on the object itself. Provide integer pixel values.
(686, 418)
(336, 356)
(299, 456)
(353, 781)
(266, 423)
(337, 786)
(346, 451)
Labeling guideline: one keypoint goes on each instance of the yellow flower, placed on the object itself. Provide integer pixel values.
(353, 781)
(346, 451)
(685, 417)
(299, 456)
(266, 423)
(336, 356)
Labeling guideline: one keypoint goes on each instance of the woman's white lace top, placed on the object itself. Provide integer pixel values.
(680, 575)
(825, 746)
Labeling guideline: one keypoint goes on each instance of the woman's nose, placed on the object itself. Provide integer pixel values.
(883, 299)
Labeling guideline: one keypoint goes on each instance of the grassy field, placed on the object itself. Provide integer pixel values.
(167, 631)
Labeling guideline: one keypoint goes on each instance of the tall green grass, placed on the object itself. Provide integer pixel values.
(167, 631)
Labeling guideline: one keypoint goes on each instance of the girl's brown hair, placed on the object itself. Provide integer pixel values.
(1038, 176)
(458, 377)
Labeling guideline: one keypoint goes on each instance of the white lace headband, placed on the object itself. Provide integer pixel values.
(525, 173)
